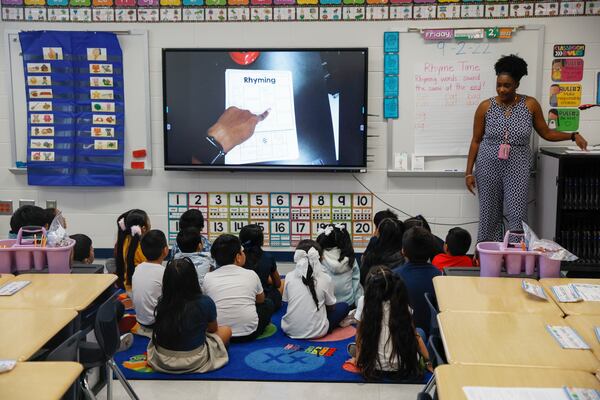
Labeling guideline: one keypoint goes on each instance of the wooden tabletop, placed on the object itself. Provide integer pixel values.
(581, 308)
(38, 380)
(76, 291)
(450, 379)
(25, 331)
(584, 325)
(509, 339)
(466, 293)
(5, 278)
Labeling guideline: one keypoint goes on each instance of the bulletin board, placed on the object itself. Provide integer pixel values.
(134, 45)
(286, 218)
(441, 83)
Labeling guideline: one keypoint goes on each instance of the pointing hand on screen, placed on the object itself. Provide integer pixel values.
(235, 126)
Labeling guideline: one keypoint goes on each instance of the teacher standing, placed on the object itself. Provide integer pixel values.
(500, 148)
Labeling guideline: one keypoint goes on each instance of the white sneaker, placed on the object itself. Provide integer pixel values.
(126, 342)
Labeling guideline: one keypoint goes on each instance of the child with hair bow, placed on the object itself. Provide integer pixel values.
(312, 309)
(131, 226)
(340, 263)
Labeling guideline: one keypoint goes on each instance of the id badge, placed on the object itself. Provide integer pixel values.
(504, 151)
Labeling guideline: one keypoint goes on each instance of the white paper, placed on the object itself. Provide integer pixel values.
(447, 93)
(7, 365)
(533, 289)
(275, 138)
(11, 288)
(587, 291)
(566, 294)
(582, 394)
(579, 151)
(418, 163)
(504, 393)
(567, 337)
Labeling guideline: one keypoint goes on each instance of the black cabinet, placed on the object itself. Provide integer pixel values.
(568, 204)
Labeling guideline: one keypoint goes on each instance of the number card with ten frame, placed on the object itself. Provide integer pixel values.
(259, 213)
(280, 220)
(300, 219)
(362, 216)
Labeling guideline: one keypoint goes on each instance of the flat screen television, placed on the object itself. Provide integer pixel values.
(267, 109)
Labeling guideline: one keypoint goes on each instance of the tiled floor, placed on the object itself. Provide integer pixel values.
(233, 390)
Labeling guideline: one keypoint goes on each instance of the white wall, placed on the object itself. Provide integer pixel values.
(441, 200)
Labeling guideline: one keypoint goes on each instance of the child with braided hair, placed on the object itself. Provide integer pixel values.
(312, 310)
(131, 226)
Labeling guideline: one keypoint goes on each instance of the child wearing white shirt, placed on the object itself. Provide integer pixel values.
(312, 310)
(147, 280)
(237, 292)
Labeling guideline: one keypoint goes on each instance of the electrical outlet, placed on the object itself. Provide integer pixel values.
(6, 207)
(25, 202)
(51, 204)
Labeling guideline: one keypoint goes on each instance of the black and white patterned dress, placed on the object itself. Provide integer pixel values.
(503, 185)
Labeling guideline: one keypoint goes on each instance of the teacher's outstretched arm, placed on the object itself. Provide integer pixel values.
(552, 135)
(478, 128)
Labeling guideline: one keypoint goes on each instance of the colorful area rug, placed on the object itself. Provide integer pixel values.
(272, 357)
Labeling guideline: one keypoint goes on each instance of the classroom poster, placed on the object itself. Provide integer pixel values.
(563, 119)
(565, 95)
(75, 103)
(567, 69)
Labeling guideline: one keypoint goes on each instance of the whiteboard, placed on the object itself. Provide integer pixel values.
(136, 78)
(441, 83)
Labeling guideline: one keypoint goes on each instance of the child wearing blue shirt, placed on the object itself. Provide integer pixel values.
(418, 273)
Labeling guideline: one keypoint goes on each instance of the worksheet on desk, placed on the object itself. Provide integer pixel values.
(275, 138)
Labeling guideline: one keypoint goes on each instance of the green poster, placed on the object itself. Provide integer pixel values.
(563, 119)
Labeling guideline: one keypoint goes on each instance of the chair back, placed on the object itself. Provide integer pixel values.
(106, 328)
(434, 328)
(67, 350)
(424, 396)
(437, 346)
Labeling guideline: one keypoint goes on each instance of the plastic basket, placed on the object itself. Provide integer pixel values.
(7, 256)
(27, 253)
(548, 268)
(494, 255)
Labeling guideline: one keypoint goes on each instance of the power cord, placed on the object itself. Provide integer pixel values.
(412, 216)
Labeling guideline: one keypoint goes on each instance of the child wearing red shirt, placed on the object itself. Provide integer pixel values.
(458, 242)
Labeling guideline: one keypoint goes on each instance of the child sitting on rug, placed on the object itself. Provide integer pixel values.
(340, 263)
(147, 280)
(386, 249)
(261, 262)
(189, 242)
(458, 242)
(186, 336)
(131, 225)
(192, 219)
(237, 292)
(312, 311)
(387, 342)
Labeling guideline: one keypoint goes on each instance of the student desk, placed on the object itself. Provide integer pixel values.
(584, 325)
(5, 278)
(25, 331)
(38, 380)
(450, 379)
(58, 291)
(583, 307)
(509, 339)
(474, 294)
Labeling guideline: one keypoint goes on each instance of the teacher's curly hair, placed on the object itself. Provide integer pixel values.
(512, 65)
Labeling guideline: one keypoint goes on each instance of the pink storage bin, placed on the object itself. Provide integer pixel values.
(491, 258)
(25, 255)
(548, 268)
(7, 256)
(59, 258)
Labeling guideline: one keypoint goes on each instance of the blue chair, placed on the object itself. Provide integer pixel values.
(434, 328)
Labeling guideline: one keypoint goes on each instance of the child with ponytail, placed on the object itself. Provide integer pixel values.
(131, 225)
(340, 263)
(261, 262)
(312, 310)
(387, 342)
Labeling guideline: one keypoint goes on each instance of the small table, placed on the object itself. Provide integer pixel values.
(25, 331)
(38, 380)
(58, 291)
(474, 294)
(450, 379)
(5, 278)
(580, 308)
(584, 325)
(510, 340)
